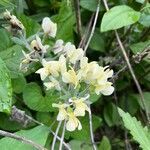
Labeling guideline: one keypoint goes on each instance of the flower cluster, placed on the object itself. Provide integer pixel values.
(70, 112)
(69, 71)
(90, 73)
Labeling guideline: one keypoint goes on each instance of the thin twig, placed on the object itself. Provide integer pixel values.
(62, 136)
(55, 137)
(93, 27)
(85, 35)
(91, 130)
(22, 139)
(78, 17)
(130, 68)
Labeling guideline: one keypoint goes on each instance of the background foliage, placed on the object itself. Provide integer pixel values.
(26, 92)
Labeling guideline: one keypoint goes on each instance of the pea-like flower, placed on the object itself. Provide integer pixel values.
(74, 54)
(72, 122)
(49, 68)
(13, 20)
(80, 106)
(38, 46)
(105, 88)
(71, 77)
(58, 47)
(62, 114)
(52, 84)
(49, 27)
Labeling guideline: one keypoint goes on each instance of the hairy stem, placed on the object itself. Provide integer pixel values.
(91, 130)
(55, 136)
(62, 137)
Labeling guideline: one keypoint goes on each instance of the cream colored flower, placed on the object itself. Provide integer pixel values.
(62, 63)
(72, 122)
(80, 106)
(70, 77)
(52, 84)
(49, 68)
(62, 115)
(88, 71)
(105, 88)
(58, 47)
(49, 27)
(37, 45)
(74, 55)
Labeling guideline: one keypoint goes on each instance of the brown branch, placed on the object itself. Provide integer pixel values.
(22, 139)
(130, 68)
(87, 30)
(78, 17)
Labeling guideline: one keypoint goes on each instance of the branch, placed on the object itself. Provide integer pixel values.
(93, 28)
(22, 139)
(130, 68)
(84, 37)
(78, 17)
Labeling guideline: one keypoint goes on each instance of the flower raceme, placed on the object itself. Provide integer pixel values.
(69, 71)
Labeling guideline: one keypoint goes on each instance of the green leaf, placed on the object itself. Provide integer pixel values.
(118, 17)
(12, 57)
(89, 5)
(5, 89)
(38, 134)
(31, 26)
(146, 98)
(105, 144)
(111, 115)
(139, 47)
(80, 145)
(33, 98)
(5, 40)
(97, 42)
(65, 21)
(18, 84)
(6, 3)
(139, 133)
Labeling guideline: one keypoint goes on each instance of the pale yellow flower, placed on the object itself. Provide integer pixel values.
(105, 88)
(80, 106)
(74, 55)
(49, 27)
(37, 45)
(62, 115)
(52, 84)
(49, 68)
(72, 122)
(62, 64)
(88, 71)
(70, 77)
